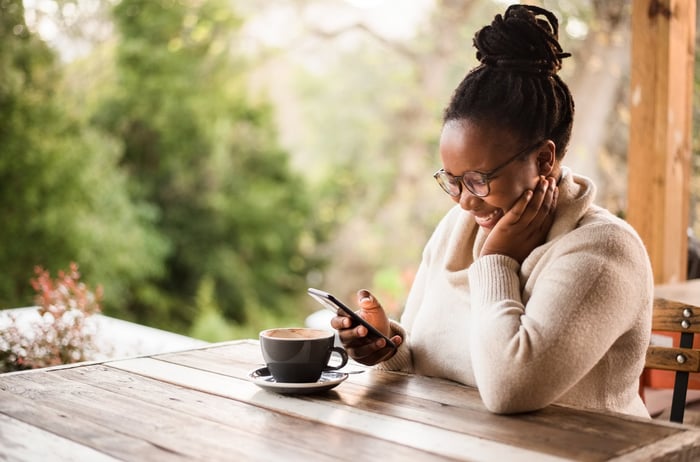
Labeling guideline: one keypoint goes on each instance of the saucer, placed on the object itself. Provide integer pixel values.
(329, 379)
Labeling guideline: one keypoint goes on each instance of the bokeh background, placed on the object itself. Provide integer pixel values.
(205, 161)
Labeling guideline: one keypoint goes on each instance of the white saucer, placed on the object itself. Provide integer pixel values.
(329, 379)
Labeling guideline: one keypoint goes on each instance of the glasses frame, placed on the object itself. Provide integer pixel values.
(486, 177)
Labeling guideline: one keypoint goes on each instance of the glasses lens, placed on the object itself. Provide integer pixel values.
(448, 183)
(475, 184)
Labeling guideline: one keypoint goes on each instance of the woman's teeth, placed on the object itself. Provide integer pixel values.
(485, 219)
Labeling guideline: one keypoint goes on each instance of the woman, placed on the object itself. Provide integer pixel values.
(527, 290)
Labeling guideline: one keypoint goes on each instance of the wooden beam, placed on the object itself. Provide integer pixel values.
(658, 191)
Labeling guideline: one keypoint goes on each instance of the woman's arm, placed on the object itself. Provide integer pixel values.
(586, 292)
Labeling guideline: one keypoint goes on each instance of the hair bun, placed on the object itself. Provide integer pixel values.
(519, 41)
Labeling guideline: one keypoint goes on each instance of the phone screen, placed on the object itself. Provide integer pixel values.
(333, 304)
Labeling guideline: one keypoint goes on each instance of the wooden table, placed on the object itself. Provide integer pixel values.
(200, 405)
(684, 291)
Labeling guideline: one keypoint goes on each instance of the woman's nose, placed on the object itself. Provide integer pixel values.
(467, 200)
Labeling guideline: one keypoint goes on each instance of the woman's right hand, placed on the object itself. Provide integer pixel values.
(362, 347)
(526, 225)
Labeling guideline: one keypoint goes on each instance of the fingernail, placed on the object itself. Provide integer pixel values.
(365, 296)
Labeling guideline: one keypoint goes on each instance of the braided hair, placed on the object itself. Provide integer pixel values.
(516, 83)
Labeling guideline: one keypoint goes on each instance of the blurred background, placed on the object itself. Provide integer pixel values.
(205, 161)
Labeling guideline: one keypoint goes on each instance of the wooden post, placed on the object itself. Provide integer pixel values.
(658, 191)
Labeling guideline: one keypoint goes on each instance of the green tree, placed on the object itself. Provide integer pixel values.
(206, 156)
(63, 195)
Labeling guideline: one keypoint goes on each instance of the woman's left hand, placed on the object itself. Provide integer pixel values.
(362, 346)
(526, 225)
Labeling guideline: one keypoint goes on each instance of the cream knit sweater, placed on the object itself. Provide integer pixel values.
(570, 325)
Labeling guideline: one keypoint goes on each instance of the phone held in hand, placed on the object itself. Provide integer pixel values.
(333, 304)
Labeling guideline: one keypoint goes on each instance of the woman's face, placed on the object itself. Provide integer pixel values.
(467, 146)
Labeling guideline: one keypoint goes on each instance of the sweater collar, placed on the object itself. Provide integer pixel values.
(576, 195)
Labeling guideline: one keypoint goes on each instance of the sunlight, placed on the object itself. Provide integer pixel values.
(576, 28)
(38, 14)
(365, 3)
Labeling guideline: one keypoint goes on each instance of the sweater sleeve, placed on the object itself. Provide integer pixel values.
(588, 291)
(401, 361)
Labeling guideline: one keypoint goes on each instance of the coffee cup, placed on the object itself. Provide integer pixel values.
(299, 354)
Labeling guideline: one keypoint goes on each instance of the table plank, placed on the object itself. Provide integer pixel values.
(15, 403)
(21, 441)
(554, 430)
(296, 433)
(685, 291)
(163, 432)
(333, 411)
(681, 447)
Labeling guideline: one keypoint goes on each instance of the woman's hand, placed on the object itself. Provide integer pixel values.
(361, 347)
(526, 225)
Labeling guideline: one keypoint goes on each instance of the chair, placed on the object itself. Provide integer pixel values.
(678, 317)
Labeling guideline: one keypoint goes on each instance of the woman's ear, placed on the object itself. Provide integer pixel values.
(546, 157)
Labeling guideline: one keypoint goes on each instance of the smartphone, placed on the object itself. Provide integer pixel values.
(332, 303)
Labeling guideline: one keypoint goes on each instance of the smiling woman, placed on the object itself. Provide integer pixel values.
(527, 289)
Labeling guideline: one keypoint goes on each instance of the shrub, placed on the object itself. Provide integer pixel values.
(61, 332)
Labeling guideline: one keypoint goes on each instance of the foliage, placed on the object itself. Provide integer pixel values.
(212, 326)
(209, 324)
(205, 156)
(63, 332)
(381, 100)
(63, 194)
(153, 168)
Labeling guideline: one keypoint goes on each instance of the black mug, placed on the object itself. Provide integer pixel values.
(299, 354)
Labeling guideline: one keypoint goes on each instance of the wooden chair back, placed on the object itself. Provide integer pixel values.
(682, 318)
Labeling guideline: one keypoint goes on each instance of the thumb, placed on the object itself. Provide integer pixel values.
(367, 301)
(371, 310)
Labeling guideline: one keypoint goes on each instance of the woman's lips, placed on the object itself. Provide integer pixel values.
(489, 220)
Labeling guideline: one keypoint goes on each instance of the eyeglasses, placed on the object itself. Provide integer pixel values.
(476, 182)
